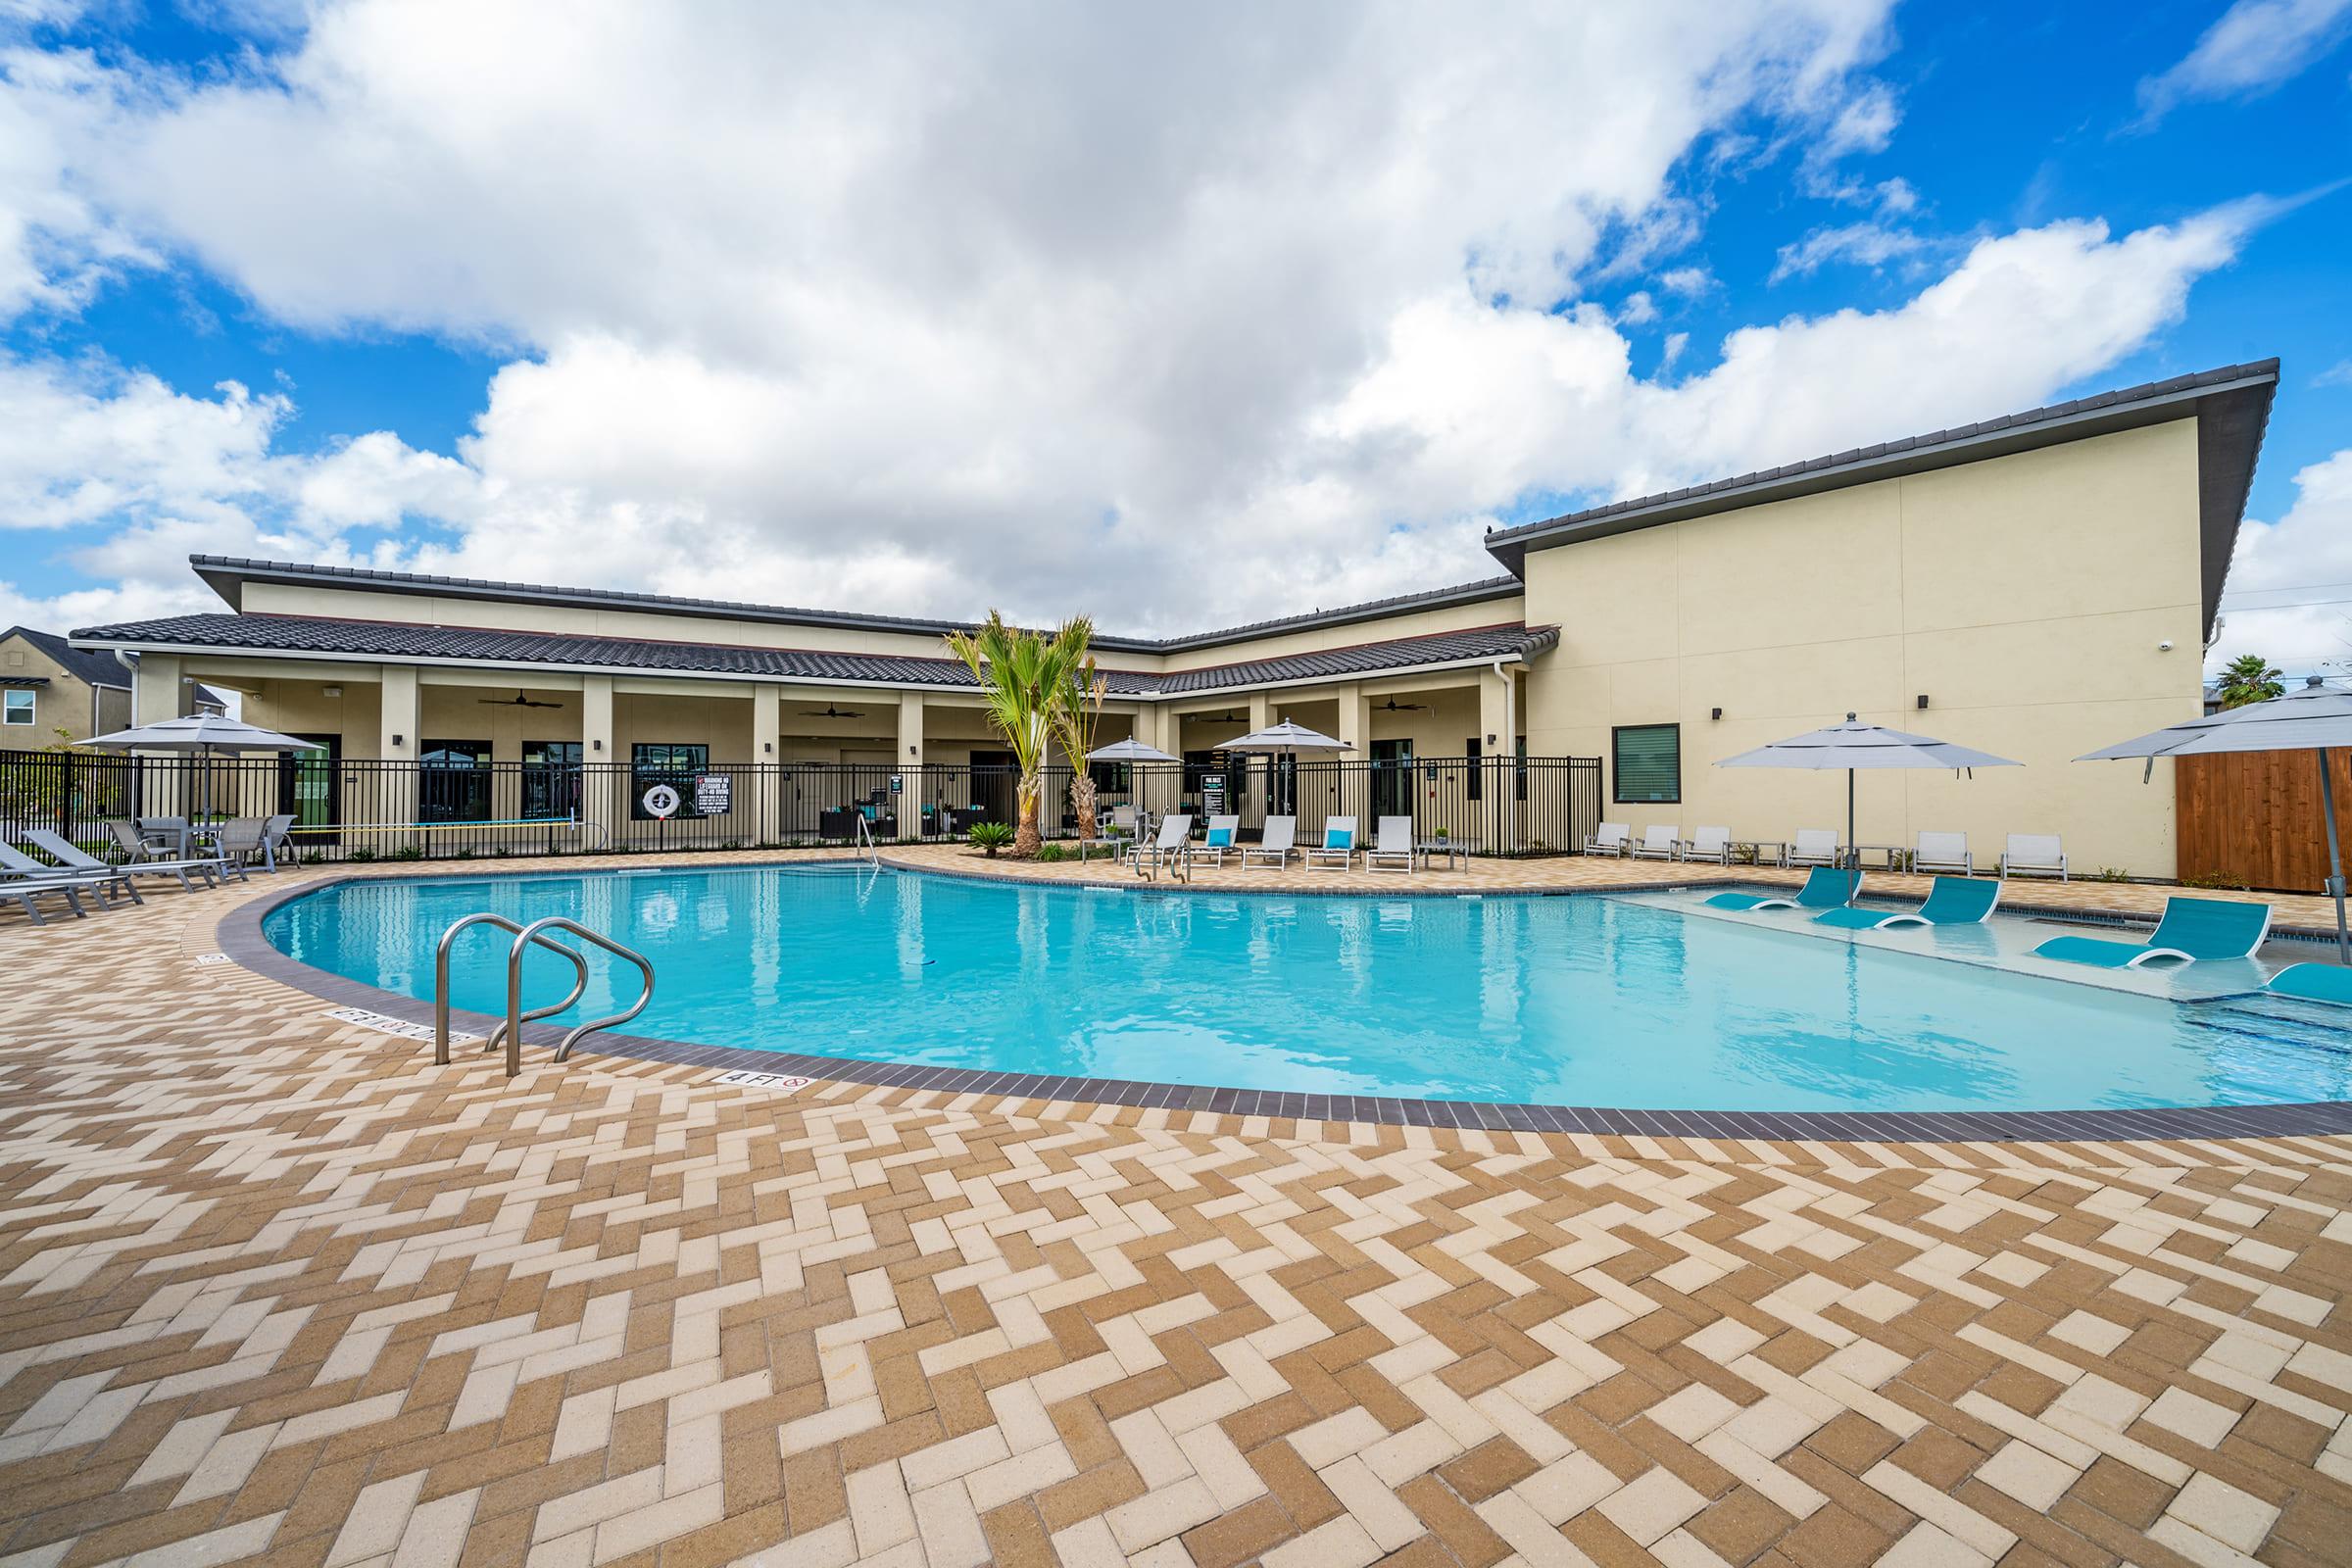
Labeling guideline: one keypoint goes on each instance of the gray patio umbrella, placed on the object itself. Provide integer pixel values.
(1853, 747)
(1287, 739)
(203, 734)
(2316, 718)
(1130, 750)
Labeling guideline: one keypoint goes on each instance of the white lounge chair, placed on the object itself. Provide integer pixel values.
(1658, 843)
(1709, 843)
(2034, 854)
(1611, 839)
(1814, 846)
(1224, 838)
(1173, 847)
(1942, 851)
(1391, 845)
(1278, 843)
(1339, 844)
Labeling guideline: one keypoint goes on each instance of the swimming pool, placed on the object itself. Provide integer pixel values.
(1585, 1001)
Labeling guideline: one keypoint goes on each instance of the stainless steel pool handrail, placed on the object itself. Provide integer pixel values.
(441, 982)
(528, 936)
(866, 832)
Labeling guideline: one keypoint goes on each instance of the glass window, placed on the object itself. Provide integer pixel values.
(19, 708)
(551, 779)
(673, 763)
(1648, 764)
(453, 782)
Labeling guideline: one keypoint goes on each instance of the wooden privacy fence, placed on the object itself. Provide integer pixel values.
(2252, 819)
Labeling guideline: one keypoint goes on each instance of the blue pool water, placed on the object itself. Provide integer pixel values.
(1553, 1001)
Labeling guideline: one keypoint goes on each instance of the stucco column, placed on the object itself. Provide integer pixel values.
(1356, 719)
(158, 694)
(601, 799)
(763, 799)
(393, 796)
(1499, 737)
(907, 762)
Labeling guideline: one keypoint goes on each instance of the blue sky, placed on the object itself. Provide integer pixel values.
(795, 306)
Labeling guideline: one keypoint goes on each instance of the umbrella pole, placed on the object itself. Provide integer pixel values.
(2335, 859)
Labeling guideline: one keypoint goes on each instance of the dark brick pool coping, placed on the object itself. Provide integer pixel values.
(240, 937)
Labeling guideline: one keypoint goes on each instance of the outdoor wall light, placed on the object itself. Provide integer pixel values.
(595, 746)
(1715, 713)
(914, 751)
(767, 745)
(1489, 740)
(1923, 699)
(396, 739)
(331, 691)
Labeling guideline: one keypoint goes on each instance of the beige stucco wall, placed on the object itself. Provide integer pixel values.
(2026, 596)
(1418, 623)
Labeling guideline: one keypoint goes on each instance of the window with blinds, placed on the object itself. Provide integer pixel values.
(1647, 764)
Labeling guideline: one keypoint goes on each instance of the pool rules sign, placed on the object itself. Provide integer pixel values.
(713, 794)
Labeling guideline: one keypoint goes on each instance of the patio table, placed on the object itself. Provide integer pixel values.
(1894, 853)
(1753, 850)
(1452, 848)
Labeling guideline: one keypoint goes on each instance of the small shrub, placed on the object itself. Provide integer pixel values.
(363, 854)
(313, 857)
(2111, 873)
(409, 852)
(1050, 852)
(990, 836)
(463, 855)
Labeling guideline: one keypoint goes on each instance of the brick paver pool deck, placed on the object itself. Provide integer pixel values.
(274, 1288)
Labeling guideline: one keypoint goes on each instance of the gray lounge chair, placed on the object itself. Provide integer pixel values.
(26, 891)
(70, 856)
(16, 866)
(249, 836)
(1391, 845)
(1279, 841)
(152, 838)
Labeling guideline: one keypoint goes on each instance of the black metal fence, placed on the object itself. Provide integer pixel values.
(363, 810)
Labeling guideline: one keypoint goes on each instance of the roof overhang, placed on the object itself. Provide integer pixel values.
(2231, 409)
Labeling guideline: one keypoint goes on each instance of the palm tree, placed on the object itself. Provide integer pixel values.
(1081, 715)
(1025, 681)
(2249, 678)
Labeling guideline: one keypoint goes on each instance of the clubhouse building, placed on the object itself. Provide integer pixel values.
(2035, 585)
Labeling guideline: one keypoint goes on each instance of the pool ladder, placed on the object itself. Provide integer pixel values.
(526, 937)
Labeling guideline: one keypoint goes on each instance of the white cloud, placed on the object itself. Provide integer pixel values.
(929, 311)
(1638, 309)
(2290, 593)
(2254, 46)
(2337, 374)
(1868, 244)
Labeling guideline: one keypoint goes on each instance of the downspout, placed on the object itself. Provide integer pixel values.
(1508, 740)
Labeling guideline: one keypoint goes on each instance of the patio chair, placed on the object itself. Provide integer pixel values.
(1173, 847)
(1826, 888)
(16, 867)
(1942, 851)
(69, 854)
(1709, 843)
(1339, 844)
(1657, 843)
(249, 836)
(1222, 837)
(153, 838)
(2034, 854)
(1952, 900)
(2314, 982)
(2191, 930)
(1392, 845)
(1814, 846)
(1280, 840)
(27, 891)
(1611, 840)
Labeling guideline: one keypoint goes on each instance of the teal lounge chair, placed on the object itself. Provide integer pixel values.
(2192, 929)
(2315, 982)
(1952, 900)
(1826, 888)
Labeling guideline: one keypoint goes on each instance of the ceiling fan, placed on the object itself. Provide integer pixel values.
(1393, 706)
(519, 700)
(830, 711)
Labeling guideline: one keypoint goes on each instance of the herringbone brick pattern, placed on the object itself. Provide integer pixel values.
(276, 1289)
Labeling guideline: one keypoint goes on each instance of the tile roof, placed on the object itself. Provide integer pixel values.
(396, 641)
(226, 576)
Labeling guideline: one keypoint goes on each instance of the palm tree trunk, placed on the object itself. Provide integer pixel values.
(1082, 801)
(1026, 839)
